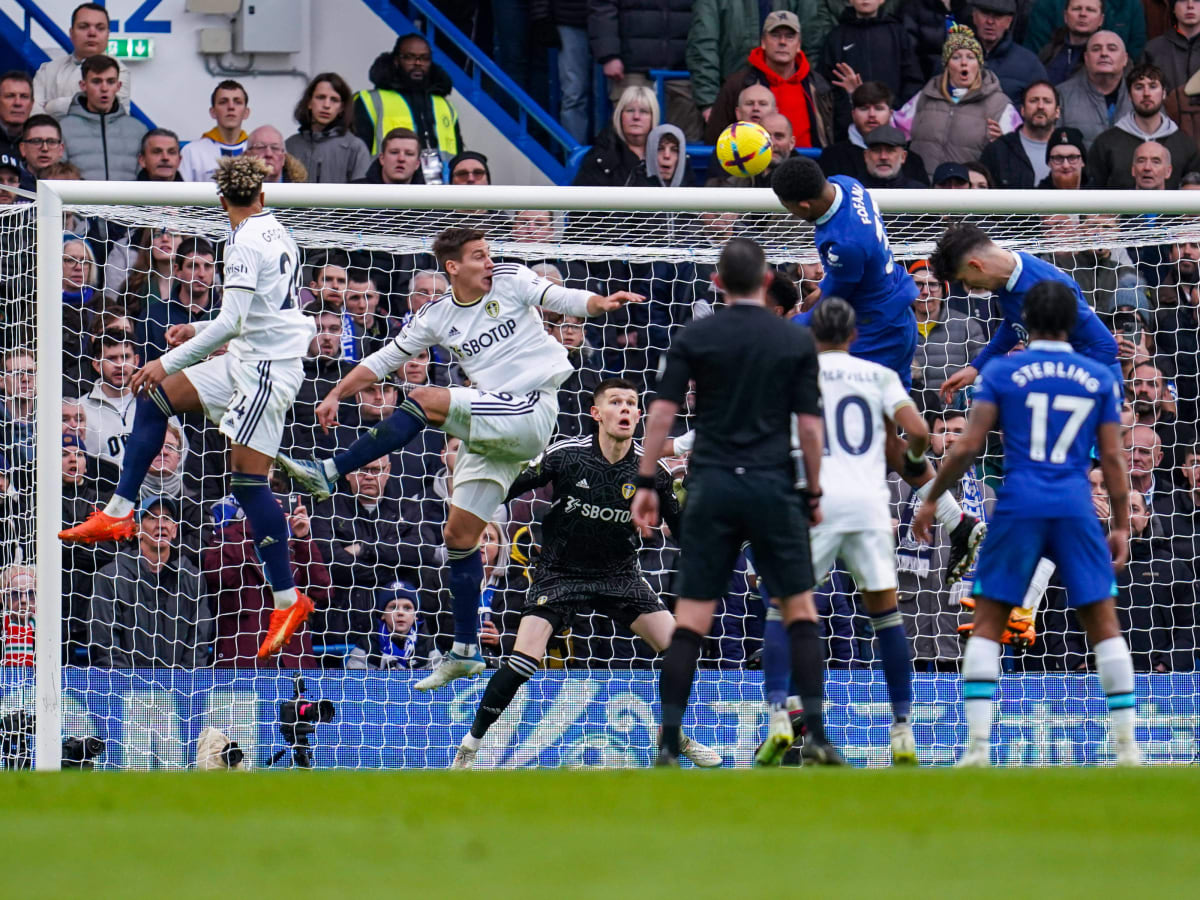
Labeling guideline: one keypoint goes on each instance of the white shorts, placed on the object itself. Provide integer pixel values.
(248, 400)
(870, 556)
(500, 434)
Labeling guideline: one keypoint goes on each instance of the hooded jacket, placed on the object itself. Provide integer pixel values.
(805, 99)
(332, 156)
(1177, 56)
(386, 75)
(1110, 158)
(1085, 108)
(944, 131)
(652, 175)
(104, 146)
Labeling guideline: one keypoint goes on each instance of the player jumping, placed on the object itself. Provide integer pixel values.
(247, 391)
(860, 269)
(489, 323)
(1052, 405)
(589, 557)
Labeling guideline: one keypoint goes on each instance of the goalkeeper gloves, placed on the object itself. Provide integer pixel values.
(1019, 631)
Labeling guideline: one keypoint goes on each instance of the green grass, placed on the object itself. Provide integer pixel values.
(677, 834)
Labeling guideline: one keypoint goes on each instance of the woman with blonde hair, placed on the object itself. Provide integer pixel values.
(620, 149)
(960, 110)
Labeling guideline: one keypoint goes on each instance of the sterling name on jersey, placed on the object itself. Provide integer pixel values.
(858, 395)
(589, 529)
(499, 339)
(259, 313)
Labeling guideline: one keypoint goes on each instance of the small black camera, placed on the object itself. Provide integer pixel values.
(17, 731)
(298, 719)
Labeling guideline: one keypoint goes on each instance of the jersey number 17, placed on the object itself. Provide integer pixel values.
(1040, 405)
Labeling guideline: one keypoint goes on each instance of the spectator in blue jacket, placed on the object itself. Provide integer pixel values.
(1014, 65)
(1127, 18)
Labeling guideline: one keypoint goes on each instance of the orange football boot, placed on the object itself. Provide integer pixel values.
(284, 623)
(99, 527)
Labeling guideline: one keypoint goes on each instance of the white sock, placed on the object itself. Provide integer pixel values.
(1038, 584)
(118, 507)
(1116, 677)
(948, 511)
(285, 599)
(980, 671)
(330, 468)
(461, 649)
(470, 741)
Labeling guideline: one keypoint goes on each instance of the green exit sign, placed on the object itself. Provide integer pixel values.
(131, 48)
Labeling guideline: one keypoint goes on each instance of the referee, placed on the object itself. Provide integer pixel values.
(752, 375)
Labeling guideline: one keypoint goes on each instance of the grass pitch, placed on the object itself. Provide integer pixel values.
(564, 834)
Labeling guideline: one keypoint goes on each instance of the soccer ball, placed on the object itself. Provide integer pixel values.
(744, 149)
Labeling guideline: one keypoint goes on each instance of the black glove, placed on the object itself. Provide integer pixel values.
(913, 468)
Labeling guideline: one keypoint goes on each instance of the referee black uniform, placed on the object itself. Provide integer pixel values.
(753, 372)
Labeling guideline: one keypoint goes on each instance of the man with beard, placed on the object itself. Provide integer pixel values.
(885, 156)
(410, 92)
(1154, 406)
(1110, 159)
(1018, 159)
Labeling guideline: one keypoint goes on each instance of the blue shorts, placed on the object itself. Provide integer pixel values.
(897, 354)
(1075, 545)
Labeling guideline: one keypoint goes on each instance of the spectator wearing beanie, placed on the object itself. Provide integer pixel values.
(1066, 156)
(469, 167)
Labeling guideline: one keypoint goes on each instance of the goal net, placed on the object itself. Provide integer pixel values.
(146, 644)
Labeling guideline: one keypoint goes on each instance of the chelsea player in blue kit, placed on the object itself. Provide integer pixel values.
(965, 253)
(1052, 405)
(859, 268)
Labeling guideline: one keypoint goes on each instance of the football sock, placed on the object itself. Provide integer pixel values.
(808, 674)
(1042, 574)
(776, 659)
(1116, 677)
(387, 437)
(897, 664)
(269, 528)
(500, 691)
(675, 684)
(948, 511)
(980, 672)
(150, 415)
(466, 582)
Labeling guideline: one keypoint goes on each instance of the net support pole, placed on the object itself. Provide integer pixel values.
(48, 481)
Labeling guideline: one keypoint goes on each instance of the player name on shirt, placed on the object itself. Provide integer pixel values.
(1056, 369)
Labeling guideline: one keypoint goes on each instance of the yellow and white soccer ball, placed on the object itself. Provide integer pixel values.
(744, 149)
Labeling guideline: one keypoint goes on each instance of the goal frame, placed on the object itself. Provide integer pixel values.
(53, 196)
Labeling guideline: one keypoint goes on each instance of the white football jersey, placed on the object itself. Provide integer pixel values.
(499, 340)
(857, 395)
(261, 258)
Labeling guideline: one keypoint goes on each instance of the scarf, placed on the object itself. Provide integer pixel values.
(350, 348)
(388, 656)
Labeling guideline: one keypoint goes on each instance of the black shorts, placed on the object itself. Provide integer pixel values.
(727, 508)
(558, 598)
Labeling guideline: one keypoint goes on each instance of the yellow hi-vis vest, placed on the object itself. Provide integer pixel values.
(389, 109)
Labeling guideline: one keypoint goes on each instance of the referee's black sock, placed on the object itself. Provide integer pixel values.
(500, 691)
(808, 674)
(675, 684)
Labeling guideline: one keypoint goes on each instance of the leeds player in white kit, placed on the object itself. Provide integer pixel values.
(247, 391)
(489, 321)
(861, 401)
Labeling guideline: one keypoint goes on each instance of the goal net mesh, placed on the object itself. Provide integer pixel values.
(159, 634)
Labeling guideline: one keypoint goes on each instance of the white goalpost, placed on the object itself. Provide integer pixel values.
(145, 662)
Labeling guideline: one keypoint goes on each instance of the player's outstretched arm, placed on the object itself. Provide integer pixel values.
(916, 434)
(360, 377)
(1116, 481)
(597, 305)
(962, 378)
(645, 501)
(964, 452)
(235, 305)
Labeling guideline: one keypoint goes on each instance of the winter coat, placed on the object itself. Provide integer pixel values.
(643, 34)
(1015, 66)
(878, 49)
(161, 316)
(1110, 158)
(244, 602)
(333, 156)
(572, 13)
(806, 96)
(1184, 109)
(928, 21)
(815, 30)
(647, 173)
(575, 394)
(142, 618)
(846, 158)
(1006, 159)
(609, 163)
(951, 344)
(1124, 17)
(385, 75)
(1156, 608)
(104, 146)
(57, 82)
(1177, 56)
(1100, 275)
(1085, 108)
(942, 131)
(374, 175)
(1061, 58)
(723, 32)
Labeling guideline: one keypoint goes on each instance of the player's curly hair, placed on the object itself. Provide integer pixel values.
(782, 293)
(1050, 309)
(240, 178)
(798, 179)
(953, 247)
(833, 321)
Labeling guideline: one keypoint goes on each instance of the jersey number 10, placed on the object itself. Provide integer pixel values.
(1041, 404)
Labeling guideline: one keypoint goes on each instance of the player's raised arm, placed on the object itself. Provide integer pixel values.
(965, 451)
(541, 291)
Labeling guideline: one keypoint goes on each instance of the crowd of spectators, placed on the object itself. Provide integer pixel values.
(901, 94)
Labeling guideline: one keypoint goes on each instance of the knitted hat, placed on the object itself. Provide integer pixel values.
(960, 37)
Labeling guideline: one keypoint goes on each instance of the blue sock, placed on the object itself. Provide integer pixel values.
(897, 663)
(777, 658)
(268, 527)
(387, 437)
(151, 412)
(466, 582)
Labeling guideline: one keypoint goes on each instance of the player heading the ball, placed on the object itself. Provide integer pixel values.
(489, 322)
(247, 391)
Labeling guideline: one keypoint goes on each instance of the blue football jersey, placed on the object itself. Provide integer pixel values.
(860, 269)
(1051, 402)
(1090, 337)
